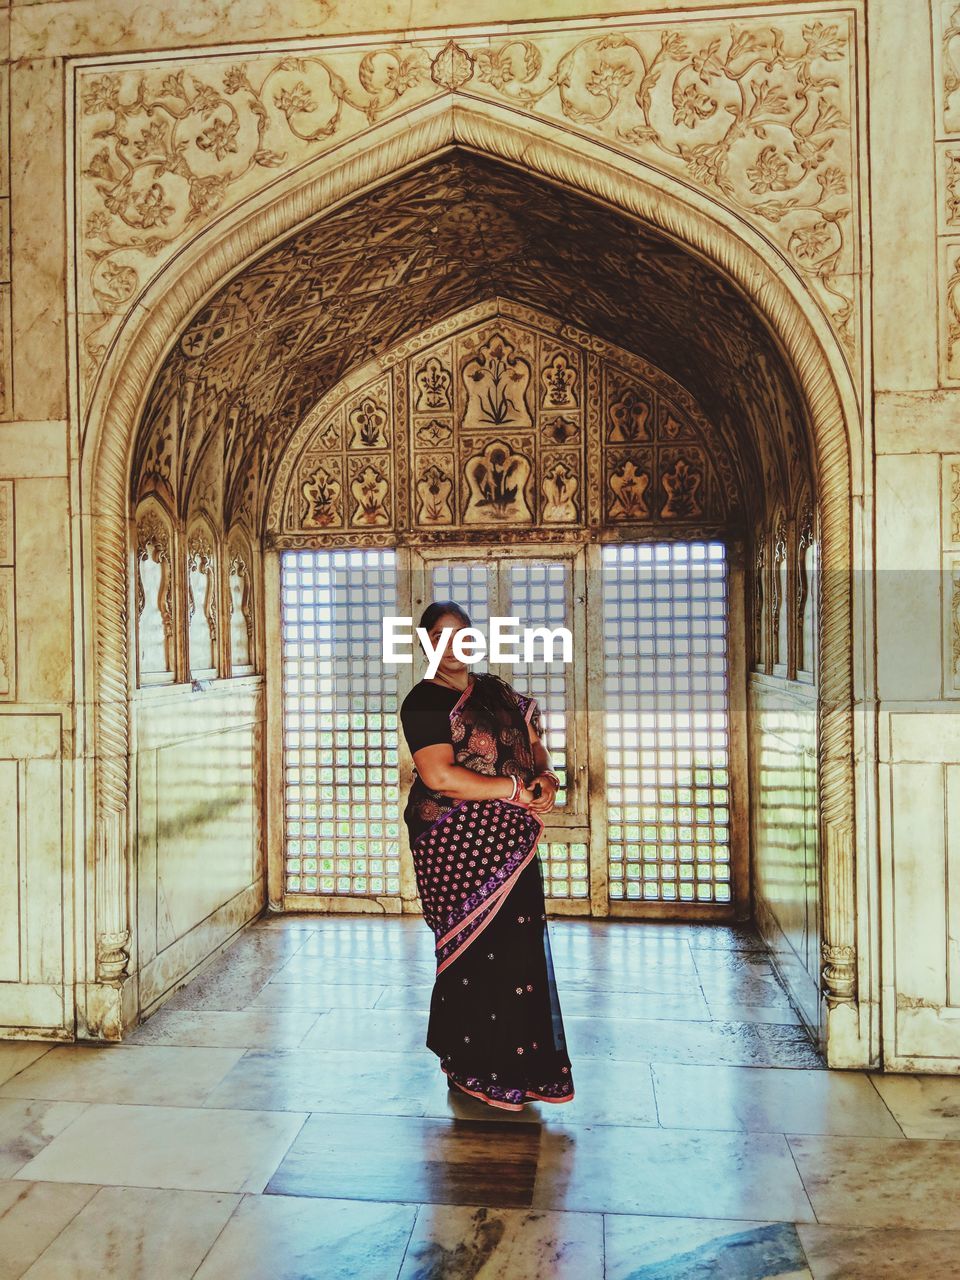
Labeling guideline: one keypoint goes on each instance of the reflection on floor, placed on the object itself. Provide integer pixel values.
(281, 1117)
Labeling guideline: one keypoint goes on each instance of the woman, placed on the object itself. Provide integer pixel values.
(474, 811)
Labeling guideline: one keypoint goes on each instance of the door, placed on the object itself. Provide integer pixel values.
(540, 587)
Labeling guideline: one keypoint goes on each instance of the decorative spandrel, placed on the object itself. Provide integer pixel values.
(756, 115)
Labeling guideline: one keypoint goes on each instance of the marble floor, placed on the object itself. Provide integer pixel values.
(281, 1117)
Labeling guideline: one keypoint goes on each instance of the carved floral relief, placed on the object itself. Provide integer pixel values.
(495, 381)
(434, 504)
(320, 490)
(651, 459)
(756, 113)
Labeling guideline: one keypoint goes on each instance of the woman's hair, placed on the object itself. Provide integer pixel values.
(490, 693)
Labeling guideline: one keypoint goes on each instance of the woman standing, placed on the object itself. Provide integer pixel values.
(474, 811)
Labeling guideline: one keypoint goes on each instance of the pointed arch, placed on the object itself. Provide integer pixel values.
(694, 222)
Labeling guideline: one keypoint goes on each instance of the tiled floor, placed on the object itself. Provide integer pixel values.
(281, 1117)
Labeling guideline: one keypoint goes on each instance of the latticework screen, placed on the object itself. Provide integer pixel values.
(340, 711)
(539, 595)
(667, 721)
(471, 586)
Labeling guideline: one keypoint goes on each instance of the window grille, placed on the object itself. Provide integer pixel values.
(340, 713)
(667, 721)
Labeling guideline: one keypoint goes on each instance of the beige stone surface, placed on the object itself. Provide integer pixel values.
(38, 220)
(44, 591)
(33, 449)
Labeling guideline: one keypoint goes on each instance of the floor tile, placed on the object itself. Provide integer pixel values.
(695, 1249)
(924, 1106)
(27, 1126)
(727, 1043)
(369, 1030)
(769, 1100)
(224, 986)
(457, 1243)
(612, 1005)
(243, 1029)
(335, 1081)
(17, 1055)
(876, 1253)
(781, 1014)
(326, 995)
(336, 945)
(721, 937)
(415, 996)
(287, 1238)
(124, 1073)
(605, 1169)
(587, 977)
(881, 1182)
(135, 1233)
(732, 988)
(739, 965)
(32, 1214)
(406, 1158)
(360, 971)
(185, 1148)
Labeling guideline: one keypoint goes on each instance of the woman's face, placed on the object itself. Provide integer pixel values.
(450, 664)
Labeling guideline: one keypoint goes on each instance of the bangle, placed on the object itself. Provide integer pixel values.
(548, 773)
(516, 788)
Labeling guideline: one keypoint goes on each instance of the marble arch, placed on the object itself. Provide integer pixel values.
(620, 182)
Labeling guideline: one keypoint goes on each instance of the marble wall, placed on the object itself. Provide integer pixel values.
(199, 851)
(784, 837)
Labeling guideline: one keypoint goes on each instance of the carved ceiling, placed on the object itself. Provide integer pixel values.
(454, 232)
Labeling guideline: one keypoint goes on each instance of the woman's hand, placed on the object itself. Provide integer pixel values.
(525, 796)
(547, 798)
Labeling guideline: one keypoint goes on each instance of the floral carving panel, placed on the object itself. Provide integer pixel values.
(756, 114)
(343, 479)
(658, 467)
(505, 425)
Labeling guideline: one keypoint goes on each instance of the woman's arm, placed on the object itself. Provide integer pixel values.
(435, 765)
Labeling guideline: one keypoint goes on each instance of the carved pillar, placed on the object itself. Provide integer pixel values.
(111, 745)
(835, 723)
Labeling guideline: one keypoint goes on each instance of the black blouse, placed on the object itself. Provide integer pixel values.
(425, 714)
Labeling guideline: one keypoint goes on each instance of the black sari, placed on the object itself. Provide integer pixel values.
(495, 1020)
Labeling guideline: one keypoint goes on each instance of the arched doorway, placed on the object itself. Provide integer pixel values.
(797, 344)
